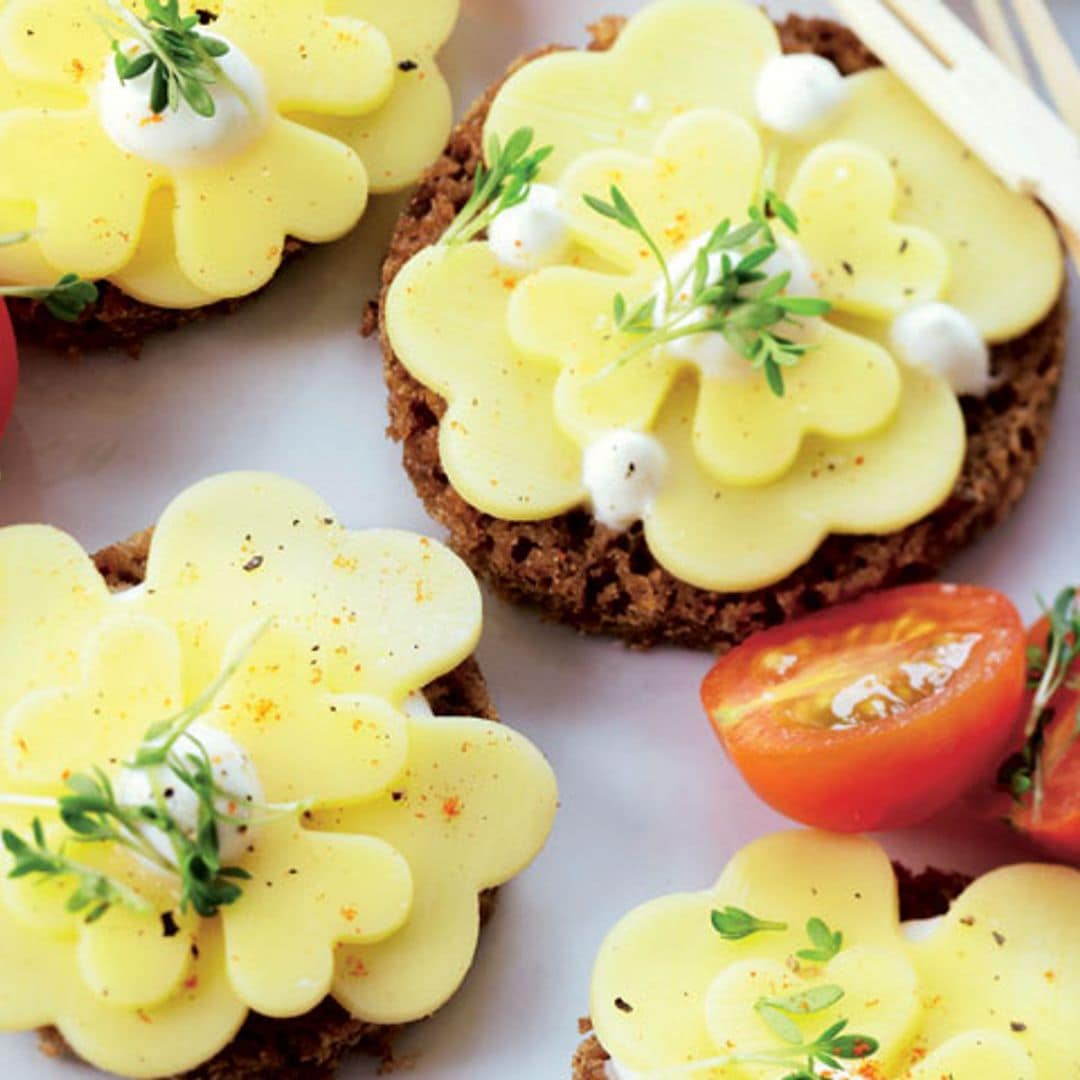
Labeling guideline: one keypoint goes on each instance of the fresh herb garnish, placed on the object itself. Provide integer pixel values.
(500, 184)
(1048, 672)
(93, 889)
(66, 300)
(826, 943)
(734, 924)
(830, 1048)
(92, 813)
(183, 62)
(725, 291)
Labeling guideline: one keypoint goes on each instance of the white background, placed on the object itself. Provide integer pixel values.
(649, 805)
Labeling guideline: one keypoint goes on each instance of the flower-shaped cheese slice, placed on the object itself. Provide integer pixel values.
(186, 234)
(845, 197)
(322, 889)
(389, 611)
(666, 961)
(987, 230)
(161, 1040)
(950, 1005)
(474, 801)
(353, 873)
(402, 137)
(705, 169)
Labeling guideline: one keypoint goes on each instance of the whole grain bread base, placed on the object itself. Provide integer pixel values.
(922, 896)
(309, 1046)
(602, 581)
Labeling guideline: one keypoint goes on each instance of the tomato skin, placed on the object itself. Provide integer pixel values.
(9, 367)
(1056, 831)
(890, 772)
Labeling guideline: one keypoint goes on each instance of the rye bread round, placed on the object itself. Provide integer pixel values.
(922, 896)
(602, 581)
(312, 1045)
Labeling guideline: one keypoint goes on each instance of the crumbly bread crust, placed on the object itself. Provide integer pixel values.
(923, 895)
(602, 581)
(312, 1045)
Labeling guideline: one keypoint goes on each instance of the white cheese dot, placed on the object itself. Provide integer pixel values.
(533, 234)
(942, 339)
(796, 94)
(641, 103)
(233, 772)
(623, 472)
(182, 138)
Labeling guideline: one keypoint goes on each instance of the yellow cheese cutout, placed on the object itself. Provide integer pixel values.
(948, 1006)
(349, 867)
(390, 611)
(444, 811)
(675, 56)
(845, 198)
(733, 538)
(988, 231)
(663, 958)
(498, 440)
(185, 236)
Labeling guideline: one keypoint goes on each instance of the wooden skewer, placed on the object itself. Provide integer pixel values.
(995, 26)
(973, 92)
(1052, 54)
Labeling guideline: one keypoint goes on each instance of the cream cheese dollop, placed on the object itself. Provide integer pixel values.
(796, 94)
(234, 774)
(942, 339)
(181, 138)
(623, 471)
(533, 234)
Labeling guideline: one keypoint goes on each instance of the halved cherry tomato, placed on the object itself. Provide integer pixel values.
(876, 714)
(1056, 827)
(9, 367)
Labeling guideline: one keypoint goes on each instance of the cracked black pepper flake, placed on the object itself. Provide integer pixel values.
(999, 937)
(1018, 1025)
(168, 925)
(253, 563)
(408, 65)
(397, 796)
(623, 1006)
(848, 268)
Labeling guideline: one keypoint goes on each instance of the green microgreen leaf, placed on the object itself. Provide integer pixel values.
(91, 813)
(504, 181)
(734, 924)
(826, 942)
(182, 62)
(733, 295)
(1049, 668)
(66, 300)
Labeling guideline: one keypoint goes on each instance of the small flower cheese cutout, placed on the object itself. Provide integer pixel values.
(313, 105)
(257, 679)
(717, 303)
(797, 953)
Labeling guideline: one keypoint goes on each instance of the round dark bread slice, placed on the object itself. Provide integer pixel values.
(922, 896)
(312, 1045)
(602, 581)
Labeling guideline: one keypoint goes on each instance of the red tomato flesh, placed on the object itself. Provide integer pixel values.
(1055, 829)
(876, 714)
(9, 367)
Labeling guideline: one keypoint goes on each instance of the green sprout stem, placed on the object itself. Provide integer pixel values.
(740, 300)
(504, 182)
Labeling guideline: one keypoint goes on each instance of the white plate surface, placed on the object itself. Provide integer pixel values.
(649, 805)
